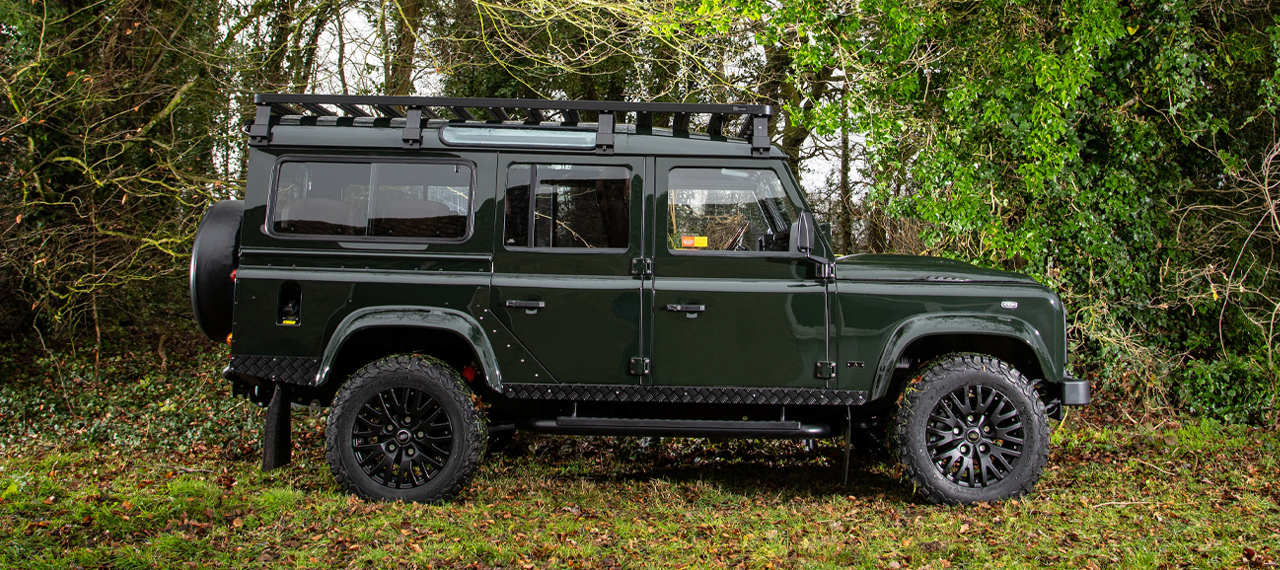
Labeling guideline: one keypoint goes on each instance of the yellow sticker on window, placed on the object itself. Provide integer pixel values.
(693, 241)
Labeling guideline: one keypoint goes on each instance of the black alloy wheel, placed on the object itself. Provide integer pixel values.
(971, 428)
(975, 436)
(401, 438)
(404, 428)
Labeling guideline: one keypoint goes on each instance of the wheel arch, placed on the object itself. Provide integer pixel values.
(374, 332)
(924, 338)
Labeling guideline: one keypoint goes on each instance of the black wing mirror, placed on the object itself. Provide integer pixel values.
(805, 232)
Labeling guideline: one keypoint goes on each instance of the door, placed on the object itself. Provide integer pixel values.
(734, 303)
(562, 275)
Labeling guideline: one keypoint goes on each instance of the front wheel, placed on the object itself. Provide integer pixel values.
(971, 428)
(404, 428)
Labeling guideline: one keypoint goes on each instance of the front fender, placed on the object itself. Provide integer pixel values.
(923, 326)
(457, 322)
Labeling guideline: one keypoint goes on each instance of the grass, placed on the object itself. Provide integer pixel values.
(145, 468)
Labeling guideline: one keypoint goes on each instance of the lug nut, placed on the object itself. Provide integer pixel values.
(421, 435)
(409, 451)
(956, 431)
(964, 449)
(391, 447)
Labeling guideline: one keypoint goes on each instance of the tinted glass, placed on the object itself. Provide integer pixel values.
(322, 198)
(571, 206)
(417, 200)
(725, 209)
(421, 200)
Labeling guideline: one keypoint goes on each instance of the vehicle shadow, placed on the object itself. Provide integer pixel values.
(747, 467)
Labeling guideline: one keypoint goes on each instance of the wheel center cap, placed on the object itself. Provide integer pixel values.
(403, 436)
(973, 436)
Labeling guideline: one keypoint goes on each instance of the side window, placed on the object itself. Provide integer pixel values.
(319, 198)
(410, 200)
(727, 209)
(421, 200)
(569, 206)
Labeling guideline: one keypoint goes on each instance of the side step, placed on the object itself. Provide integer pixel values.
(677, 428)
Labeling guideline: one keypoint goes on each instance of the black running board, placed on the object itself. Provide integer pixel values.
(677, 428)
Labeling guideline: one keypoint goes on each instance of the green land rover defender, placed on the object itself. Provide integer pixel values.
(444, 271)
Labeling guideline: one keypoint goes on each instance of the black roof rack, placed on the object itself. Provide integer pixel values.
(755, 127)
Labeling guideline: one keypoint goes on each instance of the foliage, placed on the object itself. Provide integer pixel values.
(1122, 152)
(108, 151)
(1234, 389)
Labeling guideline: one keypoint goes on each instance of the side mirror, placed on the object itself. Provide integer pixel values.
(805, 232)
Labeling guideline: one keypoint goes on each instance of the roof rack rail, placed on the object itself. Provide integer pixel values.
(755, 127)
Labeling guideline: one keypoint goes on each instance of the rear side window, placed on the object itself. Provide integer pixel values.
(568, 206)
(379, 199)
(728, 209)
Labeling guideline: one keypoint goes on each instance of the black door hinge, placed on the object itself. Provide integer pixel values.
(642, 266)
(639, 367)
(824, 370)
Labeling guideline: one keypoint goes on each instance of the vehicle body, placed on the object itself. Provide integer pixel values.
(584, 278)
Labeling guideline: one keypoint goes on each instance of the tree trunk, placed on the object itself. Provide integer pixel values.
(408, 18)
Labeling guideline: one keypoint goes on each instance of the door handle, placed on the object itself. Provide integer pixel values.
(526, 304)
(686, 308)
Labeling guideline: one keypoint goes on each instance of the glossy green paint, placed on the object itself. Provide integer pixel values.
(885, 303)
(765, 322)
(590, 325)
(769, 318)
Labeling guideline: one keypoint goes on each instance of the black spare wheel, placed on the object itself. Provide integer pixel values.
(971, 428)
(213, 258)
(405, 428)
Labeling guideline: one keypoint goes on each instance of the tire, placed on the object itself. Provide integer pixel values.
(213, 257)
(431, 458)
(970, 428)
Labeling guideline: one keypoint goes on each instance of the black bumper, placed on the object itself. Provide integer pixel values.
(1075, 392)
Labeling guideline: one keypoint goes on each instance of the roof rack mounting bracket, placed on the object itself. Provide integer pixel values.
(760, 144)
(604, 135)
(260, 129)
(412, 135)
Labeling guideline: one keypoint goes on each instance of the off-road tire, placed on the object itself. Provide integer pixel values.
(970, 377)
(466, 431)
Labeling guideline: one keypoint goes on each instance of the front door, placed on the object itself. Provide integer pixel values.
(734, 303)
(562, 275)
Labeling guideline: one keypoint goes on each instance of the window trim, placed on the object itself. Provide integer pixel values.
(270, 219)
(533, 169)
(666, 197)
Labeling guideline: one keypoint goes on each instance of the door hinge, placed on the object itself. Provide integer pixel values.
(824, 370)
(639, 367)
(826, 270)
(642, 266)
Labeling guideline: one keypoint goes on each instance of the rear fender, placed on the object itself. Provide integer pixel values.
(457, 322)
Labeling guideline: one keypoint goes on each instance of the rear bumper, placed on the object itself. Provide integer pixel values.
(1075, 392)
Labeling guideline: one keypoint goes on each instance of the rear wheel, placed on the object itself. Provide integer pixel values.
(404, 428)
(971, 428)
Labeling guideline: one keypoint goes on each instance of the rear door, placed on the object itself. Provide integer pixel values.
(734, 303)
(563, 283)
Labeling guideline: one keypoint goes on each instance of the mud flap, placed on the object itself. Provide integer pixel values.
(848, 441)
(277, 445)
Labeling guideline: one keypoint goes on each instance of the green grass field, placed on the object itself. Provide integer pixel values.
(148, 468)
